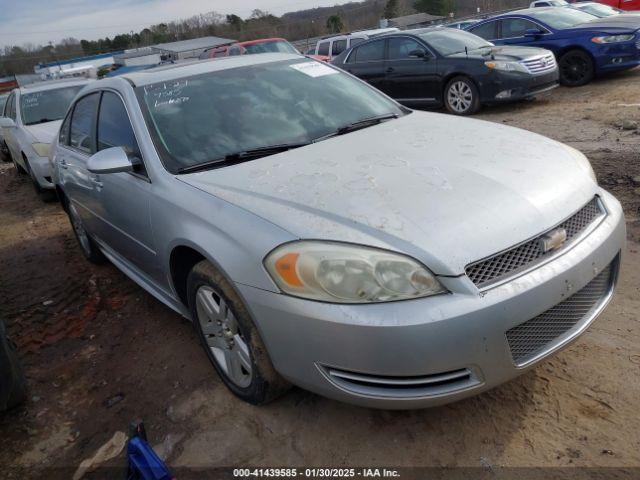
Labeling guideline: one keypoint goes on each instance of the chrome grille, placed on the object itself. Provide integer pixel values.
(539, 65)
(497, 267)
(401, 387)
(530, 338)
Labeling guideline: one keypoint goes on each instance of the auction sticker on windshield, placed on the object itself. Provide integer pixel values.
(314, 69)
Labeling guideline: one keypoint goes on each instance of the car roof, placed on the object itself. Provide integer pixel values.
(54, 84)
(261, 40)
(175, 71)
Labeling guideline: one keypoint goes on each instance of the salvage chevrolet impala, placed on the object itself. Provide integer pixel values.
(318, 233)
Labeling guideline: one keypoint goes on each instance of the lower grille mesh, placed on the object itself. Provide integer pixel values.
(529, 338)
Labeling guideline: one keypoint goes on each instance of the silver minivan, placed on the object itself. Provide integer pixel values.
(334, 46)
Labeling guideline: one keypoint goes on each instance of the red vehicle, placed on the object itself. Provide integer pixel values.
(263, 45)
(621, 4)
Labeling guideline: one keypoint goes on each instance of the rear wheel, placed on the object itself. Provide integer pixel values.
(89, 248)
(576, 68)
(230, 338)
(461, 96)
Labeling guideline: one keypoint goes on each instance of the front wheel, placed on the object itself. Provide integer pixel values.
(230, 338)
(461, 96)
(576, 68)
(5, 156)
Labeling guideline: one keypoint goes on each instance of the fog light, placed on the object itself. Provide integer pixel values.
(504, 94)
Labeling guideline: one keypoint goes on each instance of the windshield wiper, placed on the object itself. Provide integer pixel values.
(360, 124)
(42, 120)
(239, 157)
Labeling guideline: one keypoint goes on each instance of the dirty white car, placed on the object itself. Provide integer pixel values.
(320, 234)
(31, 119)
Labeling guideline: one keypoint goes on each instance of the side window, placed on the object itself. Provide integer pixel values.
(355, 41)
(400, 48)
(63, 138)
(11, 107)
(515, 27)
(81, 131)
(486, 31)
(114, 127)
(323, 48)
(5, 110)
(370, 52)
(338, 47)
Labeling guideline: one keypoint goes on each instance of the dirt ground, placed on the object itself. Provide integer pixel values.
(100, 352)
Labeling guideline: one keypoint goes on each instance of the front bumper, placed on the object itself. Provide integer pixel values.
(518, 85)
(324, 347)
(41, 168)
(617, 56)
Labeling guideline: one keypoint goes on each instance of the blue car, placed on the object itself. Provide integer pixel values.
(584, 45)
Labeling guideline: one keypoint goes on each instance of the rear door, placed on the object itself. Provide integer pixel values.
(411, 79)
(124, 197)
(367, 62)
(77, 146)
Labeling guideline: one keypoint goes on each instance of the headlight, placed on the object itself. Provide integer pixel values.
(506, 66)
(343, 273)
(582, 161)
(612, 39)
(42, 149)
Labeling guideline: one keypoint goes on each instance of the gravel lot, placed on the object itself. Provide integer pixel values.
(100, 352)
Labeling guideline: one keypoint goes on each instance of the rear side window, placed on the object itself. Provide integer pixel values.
(370, 52)
(338, 47)
(516, 27)
(486, 31)
(81, 131)
(323, 48)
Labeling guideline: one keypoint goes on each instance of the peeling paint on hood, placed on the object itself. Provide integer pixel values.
(444, 189)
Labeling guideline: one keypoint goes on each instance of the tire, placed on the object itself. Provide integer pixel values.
(13, 387)
(576, 68)
(230, 338)
(461, 96)
(90, 250)
(45, 194)
(5, 156)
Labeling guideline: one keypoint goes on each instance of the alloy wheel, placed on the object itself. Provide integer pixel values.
(223, 337)
(574, 69)
(460, 96)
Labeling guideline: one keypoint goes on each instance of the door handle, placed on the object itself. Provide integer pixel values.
(63, 163)
(96, 181)
(391, 70)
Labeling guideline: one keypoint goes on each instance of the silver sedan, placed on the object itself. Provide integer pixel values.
(319, 234)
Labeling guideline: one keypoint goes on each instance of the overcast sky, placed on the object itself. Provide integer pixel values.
(41, 21)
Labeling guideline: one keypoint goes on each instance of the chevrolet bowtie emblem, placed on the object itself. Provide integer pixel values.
(552, 240)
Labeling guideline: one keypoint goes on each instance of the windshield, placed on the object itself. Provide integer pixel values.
(209, 116)
(47, 105)
(597, 10)
(276, 46)
(561, 18)
(451, 41)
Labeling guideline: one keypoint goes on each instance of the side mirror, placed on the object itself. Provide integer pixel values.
(418, 52)
(111, 160)
(532, 33)
(6, 122)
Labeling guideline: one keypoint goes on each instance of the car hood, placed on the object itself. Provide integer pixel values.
(614, 24)
(506, 53)
(44, 132)
(443, 189)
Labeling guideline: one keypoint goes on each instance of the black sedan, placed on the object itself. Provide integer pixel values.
(442, 66)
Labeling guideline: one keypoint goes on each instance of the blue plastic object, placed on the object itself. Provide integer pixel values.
(144, 464)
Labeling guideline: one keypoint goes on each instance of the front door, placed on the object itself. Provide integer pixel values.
(367, 62)
(411, 79)
(124, 197)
